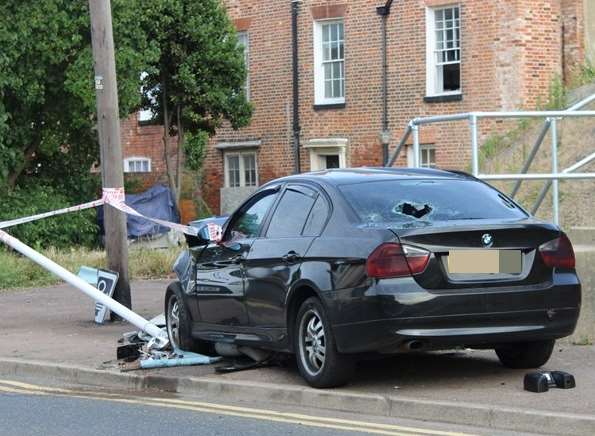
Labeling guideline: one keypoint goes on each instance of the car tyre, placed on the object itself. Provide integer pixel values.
(178, 322)
(525, 355)
(319, 362)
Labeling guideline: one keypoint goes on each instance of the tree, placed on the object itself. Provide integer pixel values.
(198, 80)
(47, 97)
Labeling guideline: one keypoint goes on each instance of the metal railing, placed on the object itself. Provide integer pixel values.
(551, 124)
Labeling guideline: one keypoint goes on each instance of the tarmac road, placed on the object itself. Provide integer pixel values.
(33, 410)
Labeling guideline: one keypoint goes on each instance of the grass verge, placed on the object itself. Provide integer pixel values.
(17, 271)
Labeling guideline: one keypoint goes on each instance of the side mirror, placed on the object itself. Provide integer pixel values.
(207, 233)
(209, 230)
(196, 241)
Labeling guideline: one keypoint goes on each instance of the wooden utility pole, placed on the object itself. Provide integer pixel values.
(108, 126)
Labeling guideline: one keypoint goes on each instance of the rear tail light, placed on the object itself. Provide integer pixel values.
(558, 253)
(396, 260)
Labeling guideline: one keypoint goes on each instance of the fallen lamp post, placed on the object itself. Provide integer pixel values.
(159, 337)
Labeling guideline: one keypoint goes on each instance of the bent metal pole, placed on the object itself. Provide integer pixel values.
(137, 320)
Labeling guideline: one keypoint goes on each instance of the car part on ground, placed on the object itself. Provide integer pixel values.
(542, 381)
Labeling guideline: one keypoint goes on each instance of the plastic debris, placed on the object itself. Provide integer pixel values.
(136, 351)
(160, 359)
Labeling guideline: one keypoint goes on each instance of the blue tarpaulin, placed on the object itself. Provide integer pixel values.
(157, 202)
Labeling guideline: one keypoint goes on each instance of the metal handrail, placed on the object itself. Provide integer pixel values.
(404, 139)
(551, 122)
(542, 134)
(548, 184)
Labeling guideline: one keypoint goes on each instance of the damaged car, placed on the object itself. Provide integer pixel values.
(339, 264)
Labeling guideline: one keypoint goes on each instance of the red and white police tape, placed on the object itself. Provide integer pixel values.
(114, 197)
(16, 221)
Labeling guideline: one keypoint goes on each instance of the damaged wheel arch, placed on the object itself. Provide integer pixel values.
(181, 321)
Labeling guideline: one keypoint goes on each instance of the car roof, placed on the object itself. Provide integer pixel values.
(346, 176)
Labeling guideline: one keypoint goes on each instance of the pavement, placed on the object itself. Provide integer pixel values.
(49, 332)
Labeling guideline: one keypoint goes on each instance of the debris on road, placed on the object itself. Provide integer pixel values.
(136, 352)
(542, 381)
(164, 359)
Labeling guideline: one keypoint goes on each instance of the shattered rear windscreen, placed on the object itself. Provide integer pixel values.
(410, 203)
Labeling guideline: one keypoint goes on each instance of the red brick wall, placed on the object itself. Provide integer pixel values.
(270, 92)
(511, 50)
(573, 20)
(145, 141)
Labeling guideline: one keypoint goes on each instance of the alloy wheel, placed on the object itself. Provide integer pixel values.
(312, 342)
(173, 321)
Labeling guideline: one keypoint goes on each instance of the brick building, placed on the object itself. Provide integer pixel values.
(443, 56)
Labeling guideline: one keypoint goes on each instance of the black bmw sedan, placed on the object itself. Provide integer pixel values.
(339, 264)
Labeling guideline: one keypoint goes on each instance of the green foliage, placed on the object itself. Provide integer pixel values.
(17, 271)
(200, 70)
(195, 147)
(585, 75)
(47, 98)
(203, 209)
(497, 142)
(133, 184)
(557, 95)
(78, 228)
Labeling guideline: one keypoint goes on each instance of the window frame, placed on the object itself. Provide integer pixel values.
(246, 46)
(319, 193)
(326, 146)
(431, 53)
(272, 190)
(129, 160)
(242, 180)
(308, 191)
(319, 80)
(329, 211)
(426, 150)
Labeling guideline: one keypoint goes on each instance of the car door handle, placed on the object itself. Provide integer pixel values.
(290, 257)
(235, 260)
(239, 258)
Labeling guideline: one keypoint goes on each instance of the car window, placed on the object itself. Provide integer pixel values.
(317, 217)
(291, 213)
(247, 223)
(412, 203)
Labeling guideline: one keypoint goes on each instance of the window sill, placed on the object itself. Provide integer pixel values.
(445, 98)
(144, 123)
(326, 106)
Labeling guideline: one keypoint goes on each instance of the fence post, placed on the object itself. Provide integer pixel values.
(415, 129)
(555, 182)
(474, 145)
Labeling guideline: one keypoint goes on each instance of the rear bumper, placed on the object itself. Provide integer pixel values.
(400, 313)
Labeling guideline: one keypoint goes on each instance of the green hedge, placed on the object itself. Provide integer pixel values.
(72, 229)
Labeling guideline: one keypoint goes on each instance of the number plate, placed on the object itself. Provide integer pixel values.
(484, 261)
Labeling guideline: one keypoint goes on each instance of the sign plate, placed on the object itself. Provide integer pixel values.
(106, 283)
